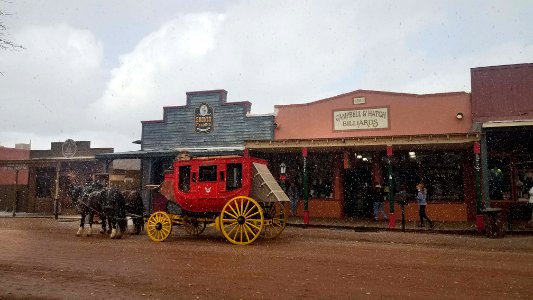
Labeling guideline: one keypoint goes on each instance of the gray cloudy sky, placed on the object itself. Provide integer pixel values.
(92, 70)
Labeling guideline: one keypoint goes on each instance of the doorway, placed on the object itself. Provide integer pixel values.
(357, 189)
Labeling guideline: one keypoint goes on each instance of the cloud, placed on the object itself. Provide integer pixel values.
(269, 52)
(48, 85)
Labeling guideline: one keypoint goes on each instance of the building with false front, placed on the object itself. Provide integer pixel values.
(13, 177)
(352, 141)
(502, 110)
(51, 173)
(206, 125)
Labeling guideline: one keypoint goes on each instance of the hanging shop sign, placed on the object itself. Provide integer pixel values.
(203, 118)
(69, 148)
(361, 119)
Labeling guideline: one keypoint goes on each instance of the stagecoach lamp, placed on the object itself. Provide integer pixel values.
(283, 168)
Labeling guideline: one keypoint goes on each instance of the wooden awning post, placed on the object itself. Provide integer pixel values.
(56, 193)
(15, 199)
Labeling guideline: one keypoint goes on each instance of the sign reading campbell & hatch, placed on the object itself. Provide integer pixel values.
(361, 119)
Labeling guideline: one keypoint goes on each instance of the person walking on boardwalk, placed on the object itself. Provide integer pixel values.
(421, 198)
(378, 199)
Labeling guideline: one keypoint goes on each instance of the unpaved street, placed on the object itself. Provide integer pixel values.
(42, 258)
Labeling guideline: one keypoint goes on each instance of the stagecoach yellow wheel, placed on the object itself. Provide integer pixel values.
(241, 220)
(159, 226)
(275, 220)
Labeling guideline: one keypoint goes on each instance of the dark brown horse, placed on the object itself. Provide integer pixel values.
(134, 208)
(108, 203)
(86, 201)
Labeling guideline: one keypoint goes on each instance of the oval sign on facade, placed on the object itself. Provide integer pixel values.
(203, 118)
(69, 148)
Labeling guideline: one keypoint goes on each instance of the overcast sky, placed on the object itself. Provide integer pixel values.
(92, 70)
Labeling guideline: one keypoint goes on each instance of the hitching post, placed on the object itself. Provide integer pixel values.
(306, 192)
(392, 217)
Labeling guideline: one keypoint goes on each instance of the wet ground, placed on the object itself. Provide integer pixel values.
(42, 258)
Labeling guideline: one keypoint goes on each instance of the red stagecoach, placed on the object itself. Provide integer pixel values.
(237, 194)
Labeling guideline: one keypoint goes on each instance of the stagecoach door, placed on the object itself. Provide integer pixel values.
(207, 181)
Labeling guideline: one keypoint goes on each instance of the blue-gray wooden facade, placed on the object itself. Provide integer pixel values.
(232, 125)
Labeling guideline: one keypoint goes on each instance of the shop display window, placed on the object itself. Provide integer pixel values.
(441, 172)
(44, 182)
(320, 176)
(499, 178)
(523, 178)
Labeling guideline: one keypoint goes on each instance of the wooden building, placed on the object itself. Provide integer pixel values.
(52, 172)
(13, 179)
(349, 140)
(206, 125)
(502, 110)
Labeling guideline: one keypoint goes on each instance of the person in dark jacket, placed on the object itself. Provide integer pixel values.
(378, 199)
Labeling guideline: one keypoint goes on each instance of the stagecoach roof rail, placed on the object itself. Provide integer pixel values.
(217, 157)
(152, 186)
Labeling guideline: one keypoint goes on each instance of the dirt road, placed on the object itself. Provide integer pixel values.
(42, 258)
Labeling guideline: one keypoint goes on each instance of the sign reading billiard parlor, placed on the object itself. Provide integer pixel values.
(361, 119)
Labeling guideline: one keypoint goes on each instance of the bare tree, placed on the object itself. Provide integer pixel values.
(5, 43)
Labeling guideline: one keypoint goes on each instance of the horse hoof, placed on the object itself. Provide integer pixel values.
(113, 234)
(79, 231)
(102, 231)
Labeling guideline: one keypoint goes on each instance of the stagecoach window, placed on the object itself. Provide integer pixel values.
(184, 178)
(44, 182)
(234, 178)
(208, 173)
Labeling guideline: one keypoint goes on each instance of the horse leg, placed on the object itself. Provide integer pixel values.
(82, 223)
(109, 226)
(113, 228)
(90, 229)
(122, 227)
(103, 220)
(138, 222)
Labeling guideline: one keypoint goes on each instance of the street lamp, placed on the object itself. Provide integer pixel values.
(282, 176)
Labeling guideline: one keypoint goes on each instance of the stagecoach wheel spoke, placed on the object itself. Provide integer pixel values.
(231, 215)
(278, 220)
(241, 220)
(159, 226)
(194, 227)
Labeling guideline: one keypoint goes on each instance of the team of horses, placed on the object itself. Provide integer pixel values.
(111, 205)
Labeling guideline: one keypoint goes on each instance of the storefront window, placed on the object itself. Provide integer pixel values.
(499, 178)
(44, 181)
(320, 176)
(441, 172)
(524, 178)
